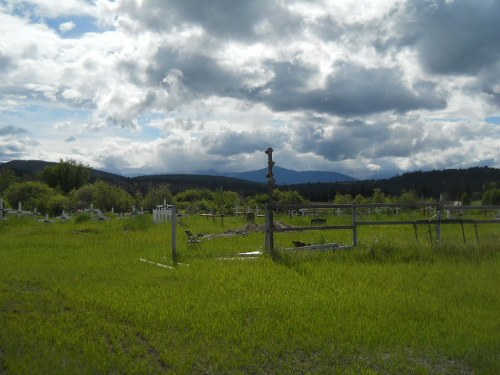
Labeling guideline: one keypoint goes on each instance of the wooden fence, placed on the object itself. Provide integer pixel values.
(440, 218)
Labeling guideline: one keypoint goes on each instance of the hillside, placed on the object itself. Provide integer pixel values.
(451, 182)
(285, 176)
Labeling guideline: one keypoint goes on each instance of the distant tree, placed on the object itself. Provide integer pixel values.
(408, 196)
(57, 203)
(378, 196)
(156, 196)
(82, 198)
(31, 194)
(290, 197)
(225, 201)
(342, 199)
(67, 175)
(7, 178)
(466, 200)
(108, 196)
(491, 197)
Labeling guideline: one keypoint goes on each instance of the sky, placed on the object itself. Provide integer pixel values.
(362, 87)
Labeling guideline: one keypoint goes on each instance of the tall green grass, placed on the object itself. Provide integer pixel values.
(74, 298)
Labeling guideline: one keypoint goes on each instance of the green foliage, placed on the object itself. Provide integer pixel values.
(156, 196)
(67, 175)
(7, 178)
(288, 197)
(82, 197)
(466, 199)
(83, 217)
(106, 197)
(378, 196)
(491, 197)
(31, 194)
(57, 204)
(225, 201)
(343, 199)
(195, 200)
(408, 196)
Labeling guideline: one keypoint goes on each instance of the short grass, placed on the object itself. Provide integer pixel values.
(74, 298)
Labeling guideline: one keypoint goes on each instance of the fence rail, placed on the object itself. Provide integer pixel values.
(436, 220)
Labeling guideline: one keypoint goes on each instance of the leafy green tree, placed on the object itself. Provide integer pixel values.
(342, 199)
(7, 178)
(82, 198)
(290, 197)
(31, 194)
(67, 175)
(491, 197)
(57, 203)
(466, 200)
(378, 196)
(408, 196)
(108, 196)
(156, 196)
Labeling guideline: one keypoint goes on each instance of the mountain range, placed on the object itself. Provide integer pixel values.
(282, 176)
(285, 176)
(316, 186)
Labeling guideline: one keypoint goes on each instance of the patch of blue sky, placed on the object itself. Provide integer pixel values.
(150, 132)
(23, 10)
(493, 120)
(74, 26)
(38, 116)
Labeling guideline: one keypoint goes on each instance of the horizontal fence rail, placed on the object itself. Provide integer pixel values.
(439, 218)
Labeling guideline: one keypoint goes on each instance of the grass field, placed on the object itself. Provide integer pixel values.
(74, 298)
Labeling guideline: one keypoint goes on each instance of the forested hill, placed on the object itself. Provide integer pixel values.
(453, 183)
(32, 170)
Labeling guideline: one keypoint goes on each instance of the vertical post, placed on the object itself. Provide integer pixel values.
(269, 245)
(439, 213)
(174, 234)
(19, 209)
(354, 227)
(1, 208)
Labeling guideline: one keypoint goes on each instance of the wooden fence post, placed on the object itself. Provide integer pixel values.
(354, 227)
(269, 245)
(174, 234)
(1, 208)
(439, 213)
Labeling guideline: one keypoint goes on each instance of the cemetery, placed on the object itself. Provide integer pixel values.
(171, 284)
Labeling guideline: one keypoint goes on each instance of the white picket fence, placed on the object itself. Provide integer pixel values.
(162, 213)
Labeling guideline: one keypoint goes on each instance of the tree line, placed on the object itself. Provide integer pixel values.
(67, 186)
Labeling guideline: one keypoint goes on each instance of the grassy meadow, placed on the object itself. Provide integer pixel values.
(74, 298)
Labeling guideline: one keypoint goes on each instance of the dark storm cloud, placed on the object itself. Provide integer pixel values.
(456, 37)
(225, 19)
(360, 139)
(14, 142)
(355, 90)
(202, 75)
(230, 143)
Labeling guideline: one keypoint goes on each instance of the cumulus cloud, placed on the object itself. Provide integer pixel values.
(352, 86)
(66, 26)
(14, 142)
